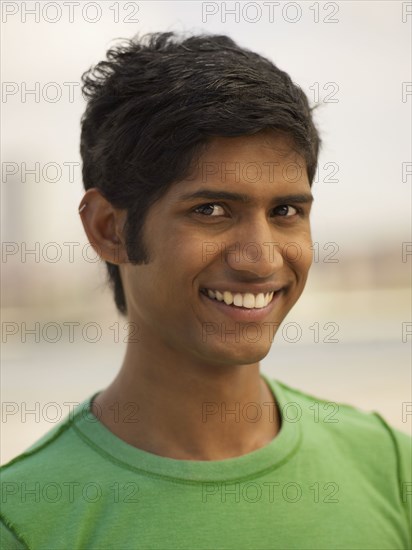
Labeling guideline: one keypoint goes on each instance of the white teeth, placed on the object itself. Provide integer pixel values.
(238, 300)
(219, 296)
(247, 300)
(260, 300)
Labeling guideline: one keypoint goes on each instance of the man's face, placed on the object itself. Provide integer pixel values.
(226, 245)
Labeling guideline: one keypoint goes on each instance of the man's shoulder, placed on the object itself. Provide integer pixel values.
(52, 472)
(348, 435)
(53, 453)
(343, 422)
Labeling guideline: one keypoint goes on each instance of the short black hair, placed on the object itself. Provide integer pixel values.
(158, 100)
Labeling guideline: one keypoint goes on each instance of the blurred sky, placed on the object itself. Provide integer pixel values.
(362, 60)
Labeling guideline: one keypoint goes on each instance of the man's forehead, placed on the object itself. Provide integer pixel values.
(263, 156)
(246, 168)
(254, 168)
(249, 148)
(245, 188)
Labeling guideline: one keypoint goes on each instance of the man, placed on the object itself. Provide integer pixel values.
(198, 160)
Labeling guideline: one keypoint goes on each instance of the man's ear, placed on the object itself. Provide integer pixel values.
(103, 224)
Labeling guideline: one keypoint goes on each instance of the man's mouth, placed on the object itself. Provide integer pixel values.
(240, 300)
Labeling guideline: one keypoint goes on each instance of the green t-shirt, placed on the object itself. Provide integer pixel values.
(333, 477)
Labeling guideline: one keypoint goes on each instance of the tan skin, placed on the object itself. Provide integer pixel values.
(173, 371)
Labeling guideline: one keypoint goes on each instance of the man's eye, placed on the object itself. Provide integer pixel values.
(208, 206)
(286, 210)
(207, 209)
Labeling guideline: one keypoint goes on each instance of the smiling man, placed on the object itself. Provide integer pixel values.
(198, 161)
(192, 300)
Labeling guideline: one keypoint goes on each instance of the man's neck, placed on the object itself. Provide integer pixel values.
(189, 414)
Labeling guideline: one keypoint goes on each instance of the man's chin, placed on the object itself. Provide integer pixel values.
(242, 352)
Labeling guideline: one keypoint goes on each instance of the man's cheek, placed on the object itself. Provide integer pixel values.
(307, 254)
(298, 254)
(308, 257)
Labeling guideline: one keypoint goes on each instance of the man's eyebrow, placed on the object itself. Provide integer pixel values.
(241, 197)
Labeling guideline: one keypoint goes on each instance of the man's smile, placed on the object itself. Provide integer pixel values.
(240, 299)
(239, 312)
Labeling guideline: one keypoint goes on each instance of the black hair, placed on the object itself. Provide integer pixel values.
(156, 102)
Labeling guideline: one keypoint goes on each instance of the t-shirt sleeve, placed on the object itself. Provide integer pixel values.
(8, 540)
(404, 449)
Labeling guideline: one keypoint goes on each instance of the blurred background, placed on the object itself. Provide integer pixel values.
(348, 338)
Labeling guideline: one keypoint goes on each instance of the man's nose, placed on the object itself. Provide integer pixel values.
(256, 249)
